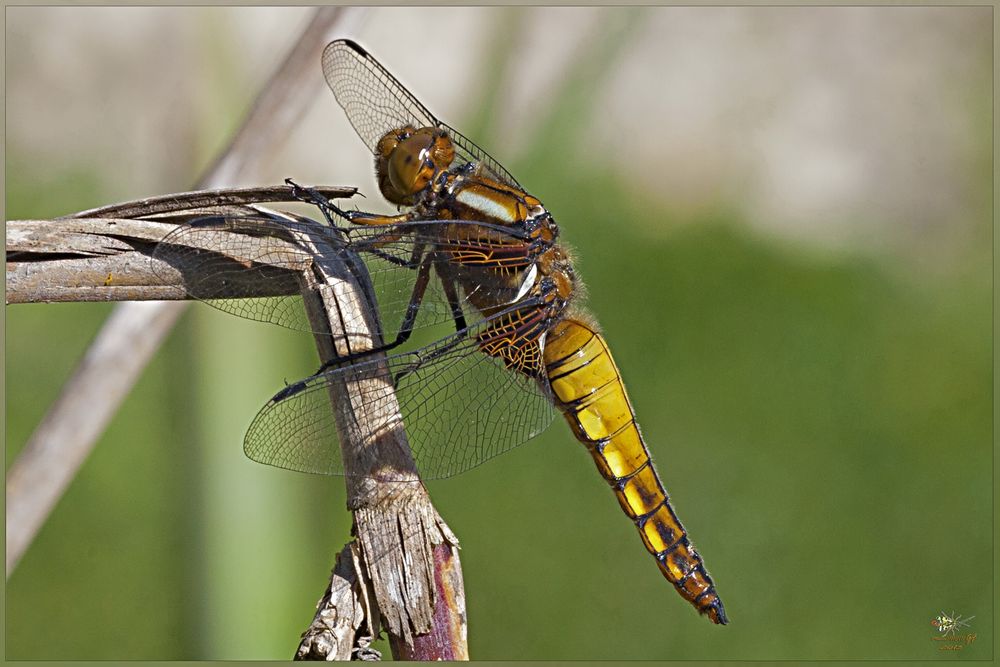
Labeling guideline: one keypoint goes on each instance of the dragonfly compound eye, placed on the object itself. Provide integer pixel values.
(411, 163)
(384, 152)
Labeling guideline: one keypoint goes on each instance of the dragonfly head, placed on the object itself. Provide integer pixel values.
(407, 159)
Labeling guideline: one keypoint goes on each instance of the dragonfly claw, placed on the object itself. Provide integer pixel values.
(307, 194)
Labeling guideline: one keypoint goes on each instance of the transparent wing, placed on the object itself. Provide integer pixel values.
(459, 407)
(466, 265)
(470, 152)
(376, 103)
(225, 260)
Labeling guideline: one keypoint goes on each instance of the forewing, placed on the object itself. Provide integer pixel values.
(459, 406)
(470, 152)
(377, 103)
(226, 260)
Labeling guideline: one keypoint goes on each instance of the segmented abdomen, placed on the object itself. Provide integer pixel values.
(590, 393)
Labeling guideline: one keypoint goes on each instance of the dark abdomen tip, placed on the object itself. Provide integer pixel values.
(716, 612)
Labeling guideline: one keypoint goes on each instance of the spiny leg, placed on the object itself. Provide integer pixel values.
(329, 209)
(456, 312)
(452, 295)
(312, 196)
(406, 328)
(419, 290)
(372, 247)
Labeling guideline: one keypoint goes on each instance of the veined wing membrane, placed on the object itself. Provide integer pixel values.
(470, 152)
(225, 260)
(460, 407)
(377, 103)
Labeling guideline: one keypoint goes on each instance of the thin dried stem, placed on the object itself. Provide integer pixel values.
(346, 620)
(191, 201)
(78, 430)
(408, 555)
(105, 258)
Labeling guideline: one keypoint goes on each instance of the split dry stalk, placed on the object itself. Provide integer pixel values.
(409, 578)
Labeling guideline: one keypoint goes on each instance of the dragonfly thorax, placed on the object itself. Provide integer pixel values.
(408, 159)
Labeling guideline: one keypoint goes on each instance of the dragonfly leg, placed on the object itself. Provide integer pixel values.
(406, 328)
(329, 209)
(312, 196)
(392, 260)
(412, 263)
(462, 330)
(456, 307)
(412, 310)
(416, 298)
(363, 218)
(456, 310)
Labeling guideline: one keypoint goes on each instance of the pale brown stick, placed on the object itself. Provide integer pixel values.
(106, 258)
(409, 554)
(346, 620)
(218, 197)
(78, 430)
(427, 614)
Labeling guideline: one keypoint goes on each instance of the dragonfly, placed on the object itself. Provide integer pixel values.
(469, 249)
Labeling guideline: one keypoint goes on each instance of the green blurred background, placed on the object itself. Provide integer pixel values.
(783, 216)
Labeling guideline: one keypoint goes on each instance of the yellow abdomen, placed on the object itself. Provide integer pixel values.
(589, 391)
